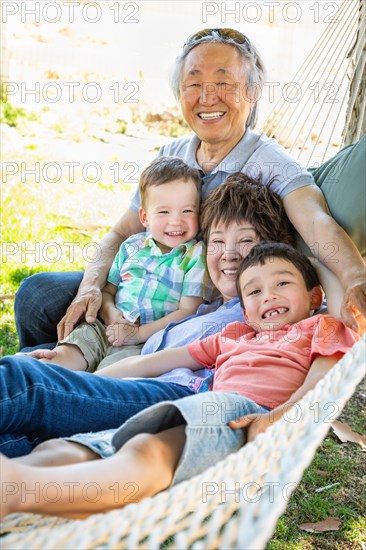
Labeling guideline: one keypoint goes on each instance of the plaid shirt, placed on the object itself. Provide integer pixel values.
(151, 284)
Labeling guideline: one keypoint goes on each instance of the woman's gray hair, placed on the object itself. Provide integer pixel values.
(253, 66)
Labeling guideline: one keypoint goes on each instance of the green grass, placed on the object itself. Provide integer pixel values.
(47, 226)
(12, 115)
(333, 463)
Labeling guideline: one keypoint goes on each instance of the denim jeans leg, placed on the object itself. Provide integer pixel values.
(14, 445)
(45, 401)
(40, 303)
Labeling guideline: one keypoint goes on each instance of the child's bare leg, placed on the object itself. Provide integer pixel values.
(68, 356)
(57, 452)
(143, 467)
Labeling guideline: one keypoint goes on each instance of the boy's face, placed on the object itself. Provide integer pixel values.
(275, 295)
(172, 213)
(227, 245)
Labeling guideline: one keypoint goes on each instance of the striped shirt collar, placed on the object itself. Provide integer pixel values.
(149, 241)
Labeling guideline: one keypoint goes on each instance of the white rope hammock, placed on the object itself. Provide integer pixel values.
(316, 120)
(234, 504)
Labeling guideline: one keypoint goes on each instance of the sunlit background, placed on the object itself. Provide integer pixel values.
(103, 66)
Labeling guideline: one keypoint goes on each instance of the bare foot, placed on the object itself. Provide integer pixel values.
(11, 482)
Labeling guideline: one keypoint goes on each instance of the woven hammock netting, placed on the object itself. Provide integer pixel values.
(331, 85)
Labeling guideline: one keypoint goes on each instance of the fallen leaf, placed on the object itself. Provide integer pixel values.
(345, 434)
(321, 473)
(5, 297)
(329, 524)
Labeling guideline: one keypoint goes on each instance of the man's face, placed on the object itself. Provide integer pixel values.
(275, 295)
(213, 93)
(227, 245)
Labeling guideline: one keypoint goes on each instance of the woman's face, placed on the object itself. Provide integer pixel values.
(227, 246)
(213, 93)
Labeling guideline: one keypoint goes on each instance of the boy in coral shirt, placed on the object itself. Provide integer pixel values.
(269, 363)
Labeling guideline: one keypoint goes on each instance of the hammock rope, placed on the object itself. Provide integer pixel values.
(333, 53)
(234, 504)
(358, 54)
(337, 55)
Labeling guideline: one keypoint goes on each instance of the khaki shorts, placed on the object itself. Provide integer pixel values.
(92, 341)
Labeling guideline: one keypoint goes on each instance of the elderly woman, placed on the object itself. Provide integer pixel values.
(217, 79)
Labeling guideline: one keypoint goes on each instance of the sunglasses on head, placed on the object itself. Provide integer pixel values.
(228, 34)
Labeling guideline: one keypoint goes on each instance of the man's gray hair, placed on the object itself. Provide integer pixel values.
(253, 67)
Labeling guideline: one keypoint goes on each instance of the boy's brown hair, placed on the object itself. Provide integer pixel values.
(165, 170)
(269, 250)
(241, 198)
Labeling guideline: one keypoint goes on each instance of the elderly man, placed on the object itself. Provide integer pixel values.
(217, 78)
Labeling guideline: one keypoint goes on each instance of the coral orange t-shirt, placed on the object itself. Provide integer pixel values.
(268, 367)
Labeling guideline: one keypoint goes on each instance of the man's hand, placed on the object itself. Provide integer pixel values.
(318, 229)
(85, 304)
(354, 304)
(123, 334)
(255, 423)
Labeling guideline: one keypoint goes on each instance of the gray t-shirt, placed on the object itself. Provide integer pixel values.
(255, 155)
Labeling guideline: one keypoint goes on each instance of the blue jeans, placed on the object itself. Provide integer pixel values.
(39, 401)
(40, 303)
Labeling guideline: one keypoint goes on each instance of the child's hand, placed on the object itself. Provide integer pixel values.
(112, 316)
(255, 423)
(40, 353)
(123, 333)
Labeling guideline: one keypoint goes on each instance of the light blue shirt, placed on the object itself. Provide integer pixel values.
(209, 319)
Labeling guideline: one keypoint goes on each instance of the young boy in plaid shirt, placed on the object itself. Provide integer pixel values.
(156, 278)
